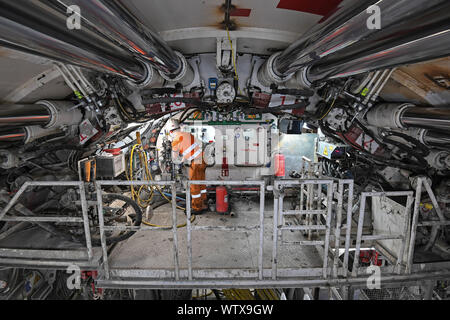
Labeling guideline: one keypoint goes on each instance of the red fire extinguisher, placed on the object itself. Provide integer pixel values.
(280, 165)
(222, 200)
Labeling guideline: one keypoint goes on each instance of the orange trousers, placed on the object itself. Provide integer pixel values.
(198, 192)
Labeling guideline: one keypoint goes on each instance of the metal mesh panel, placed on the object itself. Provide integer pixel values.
(399, 293)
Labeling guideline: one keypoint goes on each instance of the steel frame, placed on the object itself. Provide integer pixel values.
(328, 213)
(361, 282)
(50, 258)
(261, 184)
(98, 185)
(404, 236)
(279, 214)
(329, 275)
(422, 181)
(309, 171)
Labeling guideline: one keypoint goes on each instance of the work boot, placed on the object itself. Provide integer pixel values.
(204, 209)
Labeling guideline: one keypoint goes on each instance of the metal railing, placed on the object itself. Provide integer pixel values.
(310, 169)
(330, 198)
(347, 227)
(279, 214)
(421, 181)
(403, 236)
(103, 228)
(260, 227)
(46, 257)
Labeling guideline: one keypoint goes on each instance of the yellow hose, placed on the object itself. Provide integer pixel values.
(123, 109)
(245, 294)
(202, 295)
(167, 227)
(136, 195)
(164, 196)
(236, 76)
(178, 207)
(329, 110)
(238, 294)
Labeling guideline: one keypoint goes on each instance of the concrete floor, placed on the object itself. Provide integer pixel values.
(212, 249)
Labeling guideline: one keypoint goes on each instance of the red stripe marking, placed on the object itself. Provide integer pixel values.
(380, 54)
(335, 34)
(12, 136)
(326, 52)
(347, 73)
(24, 118)
(240, 12)
(319, 7)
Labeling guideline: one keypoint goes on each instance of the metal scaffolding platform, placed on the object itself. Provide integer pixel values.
(266, 244)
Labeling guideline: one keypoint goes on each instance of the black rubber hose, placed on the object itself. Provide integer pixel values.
(327, 130)
(386, 161)
(420, 166)
(369, 133)
(159, 91)
(293, 92)
(137, 222)
(277, 108)
(193, 101)
(421, 148)
(187, 115)
(420, 159)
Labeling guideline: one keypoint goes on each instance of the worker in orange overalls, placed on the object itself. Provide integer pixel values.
(184, 145)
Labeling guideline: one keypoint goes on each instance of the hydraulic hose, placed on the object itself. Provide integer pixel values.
(137, 194)
(193, 101)
(162, 226)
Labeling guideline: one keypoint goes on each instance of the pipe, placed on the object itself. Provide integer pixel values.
(346, 30)
(431, 47)
(336, 32)
(12, 135)
(48, 114)
(34, 133)
(13, 115)
(111, 19)
(430, 138)
(430, 18)
(435, 139)
(404, 116)
(437, 119)
(19, 136)
(40, 27)
(62, 113)
(26, 123)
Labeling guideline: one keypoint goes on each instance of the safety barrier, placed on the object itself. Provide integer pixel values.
(320, 200)
(47, 257)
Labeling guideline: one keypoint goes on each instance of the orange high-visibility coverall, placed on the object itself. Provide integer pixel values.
(184, 144)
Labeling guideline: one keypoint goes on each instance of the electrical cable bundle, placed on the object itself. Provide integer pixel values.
(419, 166)
(136, 195)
